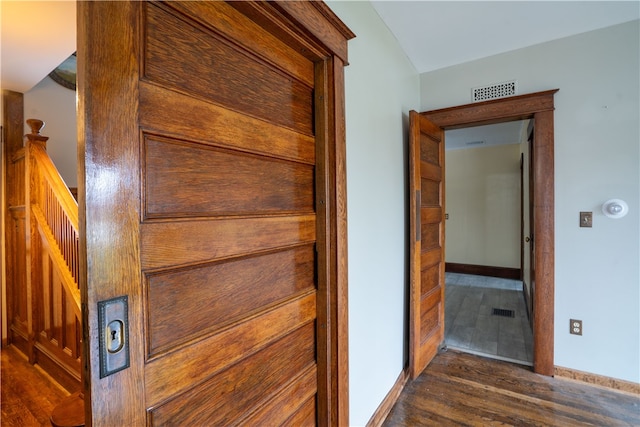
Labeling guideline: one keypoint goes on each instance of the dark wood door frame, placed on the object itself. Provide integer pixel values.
(538, 106)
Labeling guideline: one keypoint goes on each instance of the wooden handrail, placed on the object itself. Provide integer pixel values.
(55, 212)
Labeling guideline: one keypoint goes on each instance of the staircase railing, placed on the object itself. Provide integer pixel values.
(53, 263)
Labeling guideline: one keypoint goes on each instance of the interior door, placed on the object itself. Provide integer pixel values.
(206, 202)
(426, 184)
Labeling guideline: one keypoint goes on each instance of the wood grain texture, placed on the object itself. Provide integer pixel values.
(598, 380)
(29, 395)
(429, 277)
(294, 402)
(221, 182)
(463, 389)
(430, 235)
(109, 191)
(305, 416)
(429, 152)
(163, 244)
(175, 48)
(245, 386)
(314, 19)
(430, 192)
(238, 27)
(539, 106)
(544, 232)
(177, 372)
(338, 283)
(207, 123)
(220, 294)
(14, 216)
(495, 111)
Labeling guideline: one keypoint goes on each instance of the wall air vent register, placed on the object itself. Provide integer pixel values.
(494, 91)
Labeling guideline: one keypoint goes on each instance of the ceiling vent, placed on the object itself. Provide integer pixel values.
(494, 91)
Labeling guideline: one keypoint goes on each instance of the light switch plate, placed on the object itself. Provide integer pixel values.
(586, 219)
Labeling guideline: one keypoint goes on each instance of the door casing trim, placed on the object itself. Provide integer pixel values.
(538, 106)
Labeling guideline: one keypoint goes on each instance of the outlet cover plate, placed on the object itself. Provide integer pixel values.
(575, 327)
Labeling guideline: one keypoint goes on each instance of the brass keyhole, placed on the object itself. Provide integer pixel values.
(114, 336)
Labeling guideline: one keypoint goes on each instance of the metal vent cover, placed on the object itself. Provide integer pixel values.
(503, 312)
(494, 91)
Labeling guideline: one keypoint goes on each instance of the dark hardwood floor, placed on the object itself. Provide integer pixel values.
(463, 389)
(28, 394)
(456, 389)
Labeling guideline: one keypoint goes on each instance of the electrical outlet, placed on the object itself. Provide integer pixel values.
(575, 327)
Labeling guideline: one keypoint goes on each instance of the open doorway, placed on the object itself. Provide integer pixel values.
(486, 218)
(428, 127)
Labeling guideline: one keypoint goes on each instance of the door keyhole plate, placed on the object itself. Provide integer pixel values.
(113, 323)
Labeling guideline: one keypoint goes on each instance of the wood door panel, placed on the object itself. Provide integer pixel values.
(430, 171)
(431, 257)
(430, 192)
(431, 215)
(171, 244)
(244, 386)
(294, 399)
(236, 26)
(429, 278)
(177, 371)
(201, 121)
(220, 294)
(304, 417)
(429, 150)
(430, 234)
(430, 317)
(221, 182)
(174, 48)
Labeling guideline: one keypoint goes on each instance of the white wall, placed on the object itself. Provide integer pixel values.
(56, 106)
(483, 203)
(381, 87)
(597, 157)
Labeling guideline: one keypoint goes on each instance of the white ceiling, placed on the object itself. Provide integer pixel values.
(35, 37)
(438, 34)
(482, 136)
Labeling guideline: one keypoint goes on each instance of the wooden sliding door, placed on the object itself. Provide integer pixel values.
(213, 200)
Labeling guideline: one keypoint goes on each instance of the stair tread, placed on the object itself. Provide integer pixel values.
(70, 412)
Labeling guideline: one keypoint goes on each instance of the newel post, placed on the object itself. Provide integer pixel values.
(36, 126)
(33, 250)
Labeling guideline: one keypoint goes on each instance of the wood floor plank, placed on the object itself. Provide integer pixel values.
(28, 394)
(517, 379)
(464, 389)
